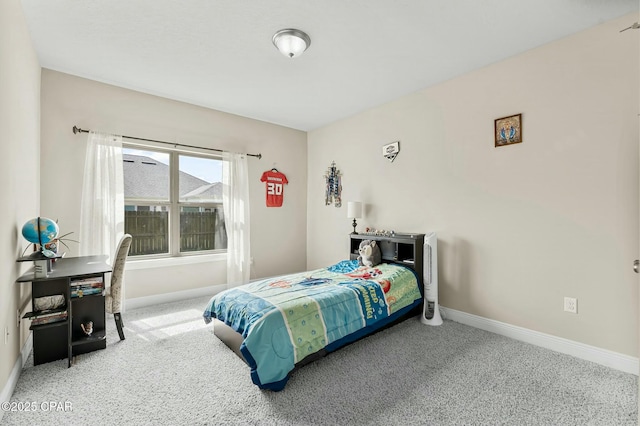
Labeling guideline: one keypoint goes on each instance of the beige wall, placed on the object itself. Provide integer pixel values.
(520, 226)
(19, 172)
(69, 101)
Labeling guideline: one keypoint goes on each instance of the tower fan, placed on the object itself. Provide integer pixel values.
(431, 309)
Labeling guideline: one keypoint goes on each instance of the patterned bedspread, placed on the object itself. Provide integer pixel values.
(285, 319)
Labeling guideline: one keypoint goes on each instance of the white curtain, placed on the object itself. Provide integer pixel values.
(102, 209)
(235, 199)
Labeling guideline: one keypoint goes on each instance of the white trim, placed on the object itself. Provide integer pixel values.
(161, 262)
(12, 381)
(156, 299)
(605, 357)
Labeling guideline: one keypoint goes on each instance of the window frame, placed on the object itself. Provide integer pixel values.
(174, 204)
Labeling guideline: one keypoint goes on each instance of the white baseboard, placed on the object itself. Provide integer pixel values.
(157, 299)
(625, 363)
(12, 381)
(615, 360)
(138, 302)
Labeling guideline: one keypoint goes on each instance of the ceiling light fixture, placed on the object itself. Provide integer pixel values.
(291, 42)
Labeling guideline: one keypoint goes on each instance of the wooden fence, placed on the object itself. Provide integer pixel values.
(150, 231)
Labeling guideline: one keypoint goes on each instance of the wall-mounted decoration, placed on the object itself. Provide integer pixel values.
(333, 192)
(390, 151)
(275, 182)
(508, 130)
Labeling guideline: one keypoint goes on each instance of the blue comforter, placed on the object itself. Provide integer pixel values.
(282, 320)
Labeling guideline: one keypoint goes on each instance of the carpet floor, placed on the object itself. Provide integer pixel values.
(172, 370)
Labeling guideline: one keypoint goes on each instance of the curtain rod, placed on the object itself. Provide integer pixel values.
(76, 129)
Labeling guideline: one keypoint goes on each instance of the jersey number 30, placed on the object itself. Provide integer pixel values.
(274, 188)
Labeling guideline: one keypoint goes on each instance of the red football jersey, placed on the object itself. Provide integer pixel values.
(275, 181)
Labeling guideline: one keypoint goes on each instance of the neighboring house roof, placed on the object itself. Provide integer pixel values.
(146, 178)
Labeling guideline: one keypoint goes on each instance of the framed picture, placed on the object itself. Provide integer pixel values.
(508, 130)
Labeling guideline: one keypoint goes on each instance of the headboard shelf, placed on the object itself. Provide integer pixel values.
(404, 249)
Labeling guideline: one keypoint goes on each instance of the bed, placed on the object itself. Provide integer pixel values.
(279, 324)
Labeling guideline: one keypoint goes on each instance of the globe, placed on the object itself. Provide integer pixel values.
(40, 230)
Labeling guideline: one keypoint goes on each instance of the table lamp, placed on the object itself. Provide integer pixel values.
(354, 211)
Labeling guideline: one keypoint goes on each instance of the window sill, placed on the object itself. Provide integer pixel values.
(174, 261)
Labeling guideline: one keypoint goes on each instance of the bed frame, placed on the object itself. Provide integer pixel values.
(403, 249)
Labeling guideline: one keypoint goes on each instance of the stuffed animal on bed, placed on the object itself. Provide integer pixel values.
(369, 253)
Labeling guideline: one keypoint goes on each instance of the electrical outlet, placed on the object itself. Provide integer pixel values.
(571, 305)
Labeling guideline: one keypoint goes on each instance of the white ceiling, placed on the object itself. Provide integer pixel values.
(218, 53)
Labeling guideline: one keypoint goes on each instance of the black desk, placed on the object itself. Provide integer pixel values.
(64, 337)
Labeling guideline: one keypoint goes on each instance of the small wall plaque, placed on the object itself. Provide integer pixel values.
(508, 130)
(390, 151)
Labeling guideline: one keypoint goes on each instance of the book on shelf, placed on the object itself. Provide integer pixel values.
(82, 286)
(87, 287)
(43, 317)
(80, 292)
(44, 313)
(92, 282)
(49, 320)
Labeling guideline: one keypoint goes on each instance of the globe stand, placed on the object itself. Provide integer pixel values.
(41, 268)
(42, 264)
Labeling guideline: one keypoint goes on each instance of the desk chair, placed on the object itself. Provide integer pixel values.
(113, 297)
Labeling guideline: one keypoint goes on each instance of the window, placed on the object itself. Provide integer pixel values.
(173, 203)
